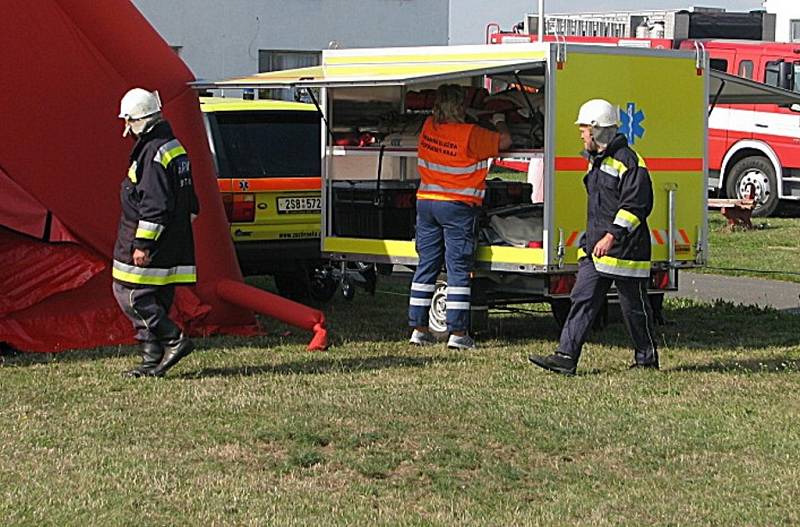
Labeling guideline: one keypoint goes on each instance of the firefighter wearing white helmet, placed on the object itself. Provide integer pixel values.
(615, 248)
(141, 110)
(601, 116)
(154, 250)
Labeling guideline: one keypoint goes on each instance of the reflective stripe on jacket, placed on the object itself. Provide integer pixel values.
(448, 169)
(620, 198)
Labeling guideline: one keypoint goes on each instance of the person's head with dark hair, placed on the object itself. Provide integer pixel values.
(449, 105)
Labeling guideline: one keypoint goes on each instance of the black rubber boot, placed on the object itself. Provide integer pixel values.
(152, 353)
(174, 351)
(557, 362)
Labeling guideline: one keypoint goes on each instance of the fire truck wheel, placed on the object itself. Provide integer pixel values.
(754, 175)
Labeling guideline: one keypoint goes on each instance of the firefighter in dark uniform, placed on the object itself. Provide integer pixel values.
(154, 250)
(616, 245)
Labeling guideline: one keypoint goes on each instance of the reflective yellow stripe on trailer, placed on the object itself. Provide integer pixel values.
(405, 249)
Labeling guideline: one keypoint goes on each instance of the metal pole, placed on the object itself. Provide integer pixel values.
(541, 20)
(672, 190)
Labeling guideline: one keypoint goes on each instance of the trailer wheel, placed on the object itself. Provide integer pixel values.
(754, 174)
(348, 290)
(437, 315)
(322, 284)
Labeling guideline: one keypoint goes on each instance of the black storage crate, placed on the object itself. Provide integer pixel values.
(501, 193)
(364, 209)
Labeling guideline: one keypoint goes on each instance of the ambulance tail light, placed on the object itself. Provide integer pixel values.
(239, 208)
(561, 284)
(659, 280)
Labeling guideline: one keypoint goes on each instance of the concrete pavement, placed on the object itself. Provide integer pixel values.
(780, 295)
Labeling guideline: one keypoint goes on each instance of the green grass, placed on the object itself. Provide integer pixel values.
(773, 246)
(374, 432)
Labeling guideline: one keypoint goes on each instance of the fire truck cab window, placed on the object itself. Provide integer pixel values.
(771, 73)
(719, 64)
(746, 69)
(796, 74)
(782, 74)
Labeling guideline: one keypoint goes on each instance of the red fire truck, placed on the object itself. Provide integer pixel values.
(754, 150)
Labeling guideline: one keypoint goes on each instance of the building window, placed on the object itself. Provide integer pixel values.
(746, 69)
(274, 60)
(794, 30)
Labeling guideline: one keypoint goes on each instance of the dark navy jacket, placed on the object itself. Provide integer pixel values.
(158, 200)
(620, 198)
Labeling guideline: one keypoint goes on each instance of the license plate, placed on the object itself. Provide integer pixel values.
(305, 205)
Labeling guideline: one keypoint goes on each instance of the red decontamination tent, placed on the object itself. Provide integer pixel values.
(65, 65)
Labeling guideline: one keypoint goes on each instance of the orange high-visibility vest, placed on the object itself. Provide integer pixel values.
(449, 170)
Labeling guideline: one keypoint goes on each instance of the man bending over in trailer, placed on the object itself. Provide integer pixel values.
(452, 163)
(616, 246)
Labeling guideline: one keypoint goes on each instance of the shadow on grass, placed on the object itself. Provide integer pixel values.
(12, 357)
(773, 365)
(322, 366)
(719, 326)
(15, 358)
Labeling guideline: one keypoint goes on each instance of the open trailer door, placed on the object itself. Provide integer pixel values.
(663, 107)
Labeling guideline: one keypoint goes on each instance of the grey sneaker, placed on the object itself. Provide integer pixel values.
(460, 342)
(420, 338)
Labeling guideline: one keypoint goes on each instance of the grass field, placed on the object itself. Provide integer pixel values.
(375, 432)
(773, 246)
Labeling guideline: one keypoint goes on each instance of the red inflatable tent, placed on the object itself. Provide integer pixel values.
(65, 65)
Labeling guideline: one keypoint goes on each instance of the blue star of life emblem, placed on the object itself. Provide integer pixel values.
(631, 122)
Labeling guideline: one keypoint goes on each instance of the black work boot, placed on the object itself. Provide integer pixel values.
(651, 364)
(152, 353)
(557, 362)
(645, 360)
(174, 351)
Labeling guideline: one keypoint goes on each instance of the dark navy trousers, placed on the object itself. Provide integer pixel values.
(148, 310)
(445, 234)
(587, 299)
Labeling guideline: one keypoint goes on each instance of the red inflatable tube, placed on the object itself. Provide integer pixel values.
(277, 307)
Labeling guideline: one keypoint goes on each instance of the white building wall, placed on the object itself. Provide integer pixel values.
(222, 38)
(468, 18)
(785, 12)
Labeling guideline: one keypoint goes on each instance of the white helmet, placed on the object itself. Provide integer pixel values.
(598, 113)
(138, 104)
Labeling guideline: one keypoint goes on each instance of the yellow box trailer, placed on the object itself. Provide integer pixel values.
(372, 102)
